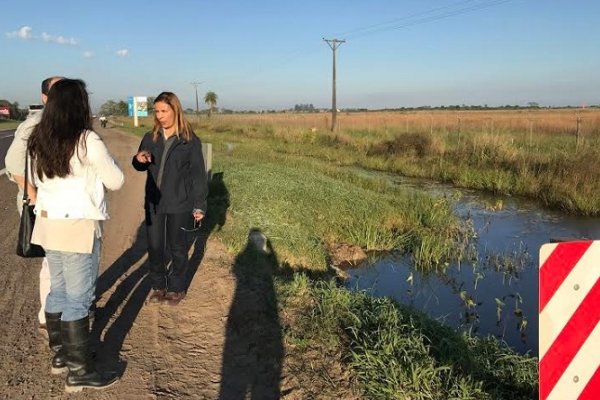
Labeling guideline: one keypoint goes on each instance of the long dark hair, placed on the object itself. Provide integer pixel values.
(65, 118)
(183, 126)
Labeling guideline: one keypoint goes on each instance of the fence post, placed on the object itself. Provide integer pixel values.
(208, 156)
(577, 136)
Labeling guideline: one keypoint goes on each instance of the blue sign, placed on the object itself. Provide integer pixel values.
(141, 103)
(130, 106)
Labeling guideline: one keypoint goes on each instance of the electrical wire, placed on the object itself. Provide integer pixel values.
(393, 25)
(396, 20)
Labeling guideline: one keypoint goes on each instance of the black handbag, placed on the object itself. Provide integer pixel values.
(24, 246)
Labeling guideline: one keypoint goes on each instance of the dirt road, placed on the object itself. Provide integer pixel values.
(223, 341)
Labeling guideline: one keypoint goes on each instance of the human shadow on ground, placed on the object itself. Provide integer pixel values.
(123, 305)
(133, 286)
(118, 269)
(216, 216)
(253, 352)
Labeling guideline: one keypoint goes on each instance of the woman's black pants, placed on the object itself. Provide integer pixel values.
(164, 232)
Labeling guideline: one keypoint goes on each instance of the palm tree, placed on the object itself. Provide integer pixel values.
(211, 98)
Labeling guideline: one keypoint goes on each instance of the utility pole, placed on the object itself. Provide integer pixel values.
(196, 88)
(333, 44)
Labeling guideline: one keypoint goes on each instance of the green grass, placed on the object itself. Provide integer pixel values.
(397, 353)
(302, 205)
(6, 125)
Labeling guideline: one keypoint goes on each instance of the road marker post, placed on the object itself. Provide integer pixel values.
(569, 328)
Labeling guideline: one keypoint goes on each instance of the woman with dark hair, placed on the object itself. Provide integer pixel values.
(175, 199)
(71, 167)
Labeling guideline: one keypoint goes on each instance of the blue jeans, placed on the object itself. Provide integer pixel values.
(73, 279)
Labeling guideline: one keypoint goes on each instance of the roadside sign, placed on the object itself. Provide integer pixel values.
(137, 105)
(5, 111)
(569, 312)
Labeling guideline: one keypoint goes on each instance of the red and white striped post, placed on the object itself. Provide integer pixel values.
(569, 312)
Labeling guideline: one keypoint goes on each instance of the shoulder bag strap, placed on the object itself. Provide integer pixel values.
(25, 189)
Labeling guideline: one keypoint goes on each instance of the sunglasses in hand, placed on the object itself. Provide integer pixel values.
(195, 226)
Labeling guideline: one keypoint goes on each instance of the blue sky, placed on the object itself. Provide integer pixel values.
(271, 54)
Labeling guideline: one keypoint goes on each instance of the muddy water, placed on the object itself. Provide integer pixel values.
(498, 294)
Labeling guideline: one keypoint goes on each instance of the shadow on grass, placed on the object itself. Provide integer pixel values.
(254, 351)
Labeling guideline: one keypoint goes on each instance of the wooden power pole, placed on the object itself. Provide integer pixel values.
(333, 44)
(195, 84)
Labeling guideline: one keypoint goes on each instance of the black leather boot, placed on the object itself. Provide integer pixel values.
(59, 361)
(82, 371)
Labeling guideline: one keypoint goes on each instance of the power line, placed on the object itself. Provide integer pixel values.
(396, 20)
(425, 19)
(434, 14)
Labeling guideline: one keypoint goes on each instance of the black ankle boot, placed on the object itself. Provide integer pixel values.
(82, 371)
(59, 361)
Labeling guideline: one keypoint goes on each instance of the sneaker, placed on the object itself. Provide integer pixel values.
(156, 296)
(173, 298)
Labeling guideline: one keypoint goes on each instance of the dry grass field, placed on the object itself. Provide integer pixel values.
(536, 121)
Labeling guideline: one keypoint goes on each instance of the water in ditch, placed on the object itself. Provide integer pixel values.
(496, 296)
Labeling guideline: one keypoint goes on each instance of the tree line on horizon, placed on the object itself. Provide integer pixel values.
(120, 108)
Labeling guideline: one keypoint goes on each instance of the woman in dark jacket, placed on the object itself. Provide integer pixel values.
(176, 190)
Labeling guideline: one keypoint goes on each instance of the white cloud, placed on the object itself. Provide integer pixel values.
(122, 52)
(88, 54)
(59, 39)
(24, 32)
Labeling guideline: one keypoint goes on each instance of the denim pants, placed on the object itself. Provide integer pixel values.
(73, 279)
(165, 237)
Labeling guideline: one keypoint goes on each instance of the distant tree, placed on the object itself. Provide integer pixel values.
(533, 104)
(108, 108)
(113, 108)
(210, 98)
(304, 108)
(122, 108)
(150, 104)
(16, 112)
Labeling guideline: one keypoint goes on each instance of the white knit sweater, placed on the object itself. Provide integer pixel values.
(81, 194)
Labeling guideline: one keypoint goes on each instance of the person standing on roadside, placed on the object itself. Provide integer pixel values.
(175, 195)
(71, 168)
(15, 168)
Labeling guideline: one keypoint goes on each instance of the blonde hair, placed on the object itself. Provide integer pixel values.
(184, 128)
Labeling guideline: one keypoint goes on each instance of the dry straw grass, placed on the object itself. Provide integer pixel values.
(538, 121)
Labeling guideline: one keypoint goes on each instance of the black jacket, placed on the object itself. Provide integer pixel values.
(184, 184)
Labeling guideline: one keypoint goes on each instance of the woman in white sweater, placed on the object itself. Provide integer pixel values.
(71, 167)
